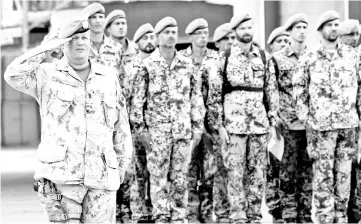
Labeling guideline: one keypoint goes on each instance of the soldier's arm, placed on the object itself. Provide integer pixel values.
(272, 94)
(300, 83)
(139, 96)
(25, 73)
(197, 104)
(214, 101)
(122, 139)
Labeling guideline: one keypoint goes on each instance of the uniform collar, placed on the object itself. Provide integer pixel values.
(254, 50)
(157, 57)
(322, 52)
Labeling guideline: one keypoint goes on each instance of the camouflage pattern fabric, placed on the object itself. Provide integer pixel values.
(74, 119)
(173, 97)
(333, 152)
(326, 88)
(78, 204)
(244, 159)
(201, 168)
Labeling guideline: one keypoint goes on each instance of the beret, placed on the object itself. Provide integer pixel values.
(164, 23)
(238, 19)
(349, 26)
(113, 15)
(294, 19)
(222, 31)
(92, 9)
(73, 26)
(195, 25)
(143, 29)
(279, 31)
(325, 17)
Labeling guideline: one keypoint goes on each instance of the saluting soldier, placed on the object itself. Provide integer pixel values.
(86, 143)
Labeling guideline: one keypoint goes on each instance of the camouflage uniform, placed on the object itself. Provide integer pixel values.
(354, 209)
(202, 166)
(247, 122)
(85, 142)
(327, 98)
(130, 64)
(291, 199)
(174, 109)
(140, 202)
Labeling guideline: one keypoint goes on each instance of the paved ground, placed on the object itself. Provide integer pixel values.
(19, 203)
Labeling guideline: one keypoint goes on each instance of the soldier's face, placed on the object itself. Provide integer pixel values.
(200, 37)
(299, 32)
(279, 43)
(96, 23)
(329, 30)
(78, 48)
(227, 41)
(168, 37)
(244, 31)
(147, 43)
(351, 39)
(118, 28)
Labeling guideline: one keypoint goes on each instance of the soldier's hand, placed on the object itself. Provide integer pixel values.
(196, 139)
(223, 135)
(144, 138)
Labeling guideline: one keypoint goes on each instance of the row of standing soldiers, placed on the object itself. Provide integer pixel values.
(201, 119)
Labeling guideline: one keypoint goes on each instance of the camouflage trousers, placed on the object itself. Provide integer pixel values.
(289, 182)
(140, 190)
(124, 213)
(78, 204)
(168, 159)
(244, 159)
(354, 205)
(220, 193)
(333, 152)
(200, 181)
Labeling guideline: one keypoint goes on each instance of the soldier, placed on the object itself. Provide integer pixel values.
(248, 100)
(86, 142)
(291, 201)
(328, 98)
(278, 39)
(224, 38)
(140, 202)
(144, 37)
(202, 167)
(173, 121)
(116, 25)
(103, 50)
(349, 35)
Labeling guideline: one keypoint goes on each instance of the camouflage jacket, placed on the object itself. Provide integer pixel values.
(327, 90)
(85, 136)
(210, 63)
(172, 95)
(110, 54)
(245, 111)
(287, 61)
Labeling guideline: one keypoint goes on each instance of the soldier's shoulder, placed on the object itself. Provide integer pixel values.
(184, 59)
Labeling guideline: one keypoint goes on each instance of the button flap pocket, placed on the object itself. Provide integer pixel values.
(50, 153)
(110, 161)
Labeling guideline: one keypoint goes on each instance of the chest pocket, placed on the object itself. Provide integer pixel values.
(285, 76)
(110, 110)
(258, 74)
(60, 103)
